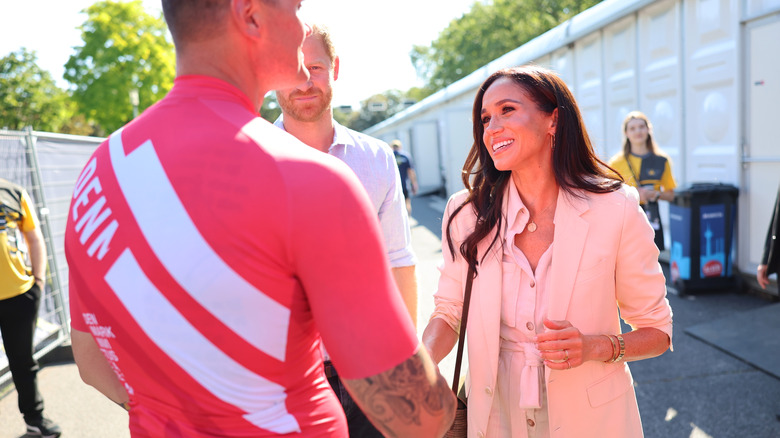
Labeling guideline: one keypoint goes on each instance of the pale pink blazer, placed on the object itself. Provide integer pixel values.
(604, 258)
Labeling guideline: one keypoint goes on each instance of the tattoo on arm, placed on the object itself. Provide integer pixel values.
(404, 394)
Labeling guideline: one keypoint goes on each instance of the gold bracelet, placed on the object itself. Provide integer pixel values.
(622, 348)
(614, 348)
(617, 348)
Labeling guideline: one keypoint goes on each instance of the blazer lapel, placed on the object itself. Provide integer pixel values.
(570, 233)
(486, 295)
(486, 304)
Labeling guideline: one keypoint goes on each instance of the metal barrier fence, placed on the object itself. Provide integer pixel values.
(47, 166)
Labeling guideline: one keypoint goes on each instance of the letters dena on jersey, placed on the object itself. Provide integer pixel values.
(90, 213)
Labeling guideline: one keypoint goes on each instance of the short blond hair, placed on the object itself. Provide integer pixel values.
(323, 33)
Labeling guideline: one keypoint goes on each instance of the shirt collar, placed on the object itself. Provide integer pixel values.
(341, 136)
(516, 212)
(209, 87)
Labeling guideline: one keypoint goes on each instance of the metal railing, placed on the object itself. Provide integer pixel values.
(47, 166)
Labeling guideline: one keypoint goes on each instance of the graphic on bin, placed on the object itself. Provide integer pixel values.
(712, 242)
(680, 254)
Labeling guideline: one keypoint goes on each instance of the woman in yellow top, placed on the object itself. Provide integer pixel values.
(643, 165)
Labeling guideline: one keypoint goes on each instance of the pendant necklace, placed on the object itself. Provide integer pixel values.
(531, 227)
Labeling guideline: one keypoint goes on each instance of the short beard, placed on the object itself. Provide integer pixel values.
(305, 112)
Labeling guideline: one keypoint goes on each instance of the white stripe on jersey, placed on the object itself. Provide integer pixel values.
(264, 401)
(187, 256)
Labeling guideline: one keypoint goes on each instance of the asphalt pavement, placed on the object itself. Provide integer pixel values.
(721, 381)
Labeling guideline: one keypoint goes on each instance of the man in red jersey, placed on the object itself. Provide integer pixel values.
(207, 249)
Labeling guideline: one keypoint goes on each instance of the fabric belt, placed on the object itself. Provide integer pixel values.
(528, 375)
(330, 370)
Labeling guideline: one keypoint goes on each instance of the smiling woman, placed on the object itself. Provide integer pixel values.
(515, 129)
(548, 230)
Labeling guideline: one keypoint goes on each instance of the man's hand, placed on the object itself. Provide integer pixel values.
(762, 276)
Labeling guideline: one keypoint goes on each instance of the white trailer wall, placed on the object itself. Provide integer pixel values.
(711, 82)
(620, 79)
(706, 72)
(588, 87)
(425, 142)
(660, 77)
(761, 151)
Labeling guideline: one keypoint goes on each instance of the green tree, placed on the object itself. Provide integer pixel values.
(378, 108)
(270, 109)
(79, 125)
(488, 31)
(29, 96)
(345, 115)
(124, 49)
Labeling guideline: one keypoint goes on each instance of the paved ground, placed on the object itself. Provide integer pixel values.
(701, 390)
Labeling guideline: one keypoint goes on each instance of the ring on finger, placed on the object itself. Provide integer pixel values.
(566, 352)
(568, 364)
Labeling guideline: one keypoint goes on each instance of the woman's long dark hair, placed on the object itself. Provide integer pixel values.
(575, 164)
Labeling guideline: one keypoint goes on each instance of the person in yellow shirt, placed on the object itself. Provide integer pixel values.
(21, 285)
(643, 165)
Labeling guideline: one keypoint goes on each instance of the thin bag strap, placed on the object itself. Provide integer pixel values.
(631, 168)
(463, 320)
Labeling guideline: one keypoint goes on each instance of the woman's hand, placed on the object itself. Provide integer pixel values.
(563, 346)
(648, 194)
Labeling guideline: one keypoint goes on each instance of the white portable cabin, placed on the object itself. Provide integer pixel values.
(706, 72)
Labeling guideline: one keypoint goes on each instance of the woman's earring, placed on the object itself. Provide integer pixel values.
(552, 142)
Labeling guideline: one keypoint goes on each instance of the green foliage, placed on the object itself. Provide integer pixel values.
(270, 109)
(29, 96)
(346, 116)
(378, 108)
(124, 49)
(488, 31)
(416, 94)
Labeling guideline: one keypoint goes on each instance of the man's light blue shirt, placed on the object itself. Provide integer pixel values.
(373, 162)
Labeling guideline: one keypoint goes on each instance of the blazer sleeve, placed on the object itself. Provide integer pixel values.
(448, 299)
(639, 281)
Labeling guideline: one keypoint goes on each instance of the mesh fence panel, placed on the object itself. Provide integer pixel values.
(60, 160)
(47, 166)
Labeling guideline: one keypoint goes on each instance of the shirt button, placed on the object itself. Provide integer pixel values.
(488, 391)
(533, 284)
(531, 423)
(529, 326)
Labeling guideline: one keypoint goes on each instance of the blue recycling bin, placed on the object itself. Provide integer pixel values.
(702, 222)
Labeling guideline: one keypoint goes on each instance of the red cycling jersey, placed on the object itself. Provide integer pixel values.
(210, 253)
